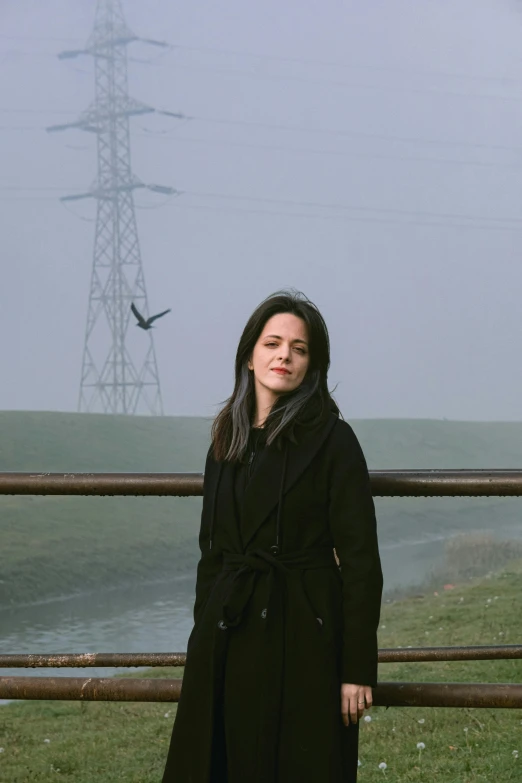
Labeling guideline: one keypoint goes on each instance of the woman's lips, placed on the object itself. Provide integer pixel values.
(280, 372)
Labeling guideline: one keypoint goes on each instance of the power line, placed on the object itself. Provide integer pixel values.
(415, 213)
(36, 111)
(76, 214)
(164, 136)
(37, 38)
(305, 79)
(353, 207)
(349, 66)
(295, 129)
(31, 188)
(23, 53)
(353, 85)
(300, 60)
(308, 216)
(354, 134)
(346, 219)
(171, 135)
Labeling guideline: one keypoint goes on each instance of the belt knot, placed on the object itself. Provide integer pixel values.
(249, 565)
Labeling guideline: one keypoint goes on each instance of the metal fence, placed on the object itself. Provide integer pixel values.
(389, 483)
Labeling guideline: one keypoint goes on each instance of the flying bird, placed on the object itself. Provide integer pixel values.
(146, 323)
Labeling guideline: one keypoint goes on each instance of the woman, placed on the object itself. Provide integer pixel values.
(283, 654)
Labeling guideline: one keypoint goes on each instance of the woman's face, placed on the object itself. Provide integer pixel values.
(283, 344)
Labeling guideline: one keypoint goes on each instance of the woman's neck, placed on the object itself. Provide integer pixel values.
(265, 400)
(259, 421)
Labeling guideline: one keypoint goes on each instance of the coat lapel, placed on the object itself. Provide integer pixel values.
(227, 497)
(262, 492)
(211, 482)
(219, 489)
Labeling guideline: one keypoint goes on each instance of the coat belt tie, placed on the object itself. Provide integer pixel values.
(283, 571)
(249, 566)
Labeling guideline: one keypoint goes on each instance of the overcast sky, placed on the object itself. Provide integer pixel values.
(367, 153)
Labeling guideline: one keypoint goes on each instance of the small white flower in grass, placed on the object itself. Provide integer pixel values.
(441, 629)
(383, 765)
(489, 600)
(383, 626)
(496, 598)
(167, 715)
(515, 754)
(420, 745)
(359, 764)
(430, 617)
(47, 740)
(501, 633)
(466, 728)
(1, 750)
(421, 721)
(368, 718)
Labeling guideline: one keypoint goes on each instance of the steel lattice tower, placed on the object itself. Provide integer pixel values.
(119, 368)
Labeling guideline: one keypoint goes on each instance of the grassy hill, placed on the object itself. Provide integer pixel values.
(58, 545)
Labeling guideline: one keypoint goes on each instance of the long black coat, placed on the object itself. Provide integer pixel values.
(278, 630)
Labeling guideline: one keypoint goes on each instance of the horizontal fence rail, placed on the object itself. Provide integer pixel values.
(386, 694)
(384, 483)
(386, 655)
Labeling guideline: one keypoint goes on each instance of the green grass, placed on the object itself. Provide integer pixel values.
(61, 545)
(129, 742)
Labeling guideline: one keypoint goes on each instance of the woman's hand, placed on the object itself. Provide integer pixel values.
(354, 700)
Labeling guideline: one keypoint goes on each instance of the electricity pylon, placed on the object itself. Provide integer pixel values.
(119, 367)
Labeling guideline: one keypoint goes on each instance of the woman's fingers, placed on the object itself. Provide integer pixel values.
(354, 700)
(354, 710)
(348, 707)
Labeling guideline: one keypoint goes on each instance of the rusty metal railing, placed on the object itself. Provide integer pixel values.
(386, 694)
(386, 655)
(389, 483)
(385, 483)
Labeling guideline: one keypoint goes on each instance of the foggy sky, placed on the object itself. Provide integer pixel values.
(425, 320)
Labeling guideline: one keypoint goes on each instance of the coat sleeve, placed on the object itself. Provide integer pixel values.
(354, 531)
(210, 560)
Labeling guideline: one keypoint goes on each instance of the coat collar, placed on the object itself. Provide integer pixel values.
(262, 492)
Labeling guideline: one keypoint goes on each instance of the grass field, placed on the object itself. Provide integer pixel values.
(55, 546)
(49, 741)
(61, 545)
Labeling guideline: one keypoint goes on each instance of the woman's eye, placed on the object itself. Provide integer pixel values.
(271, 345)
